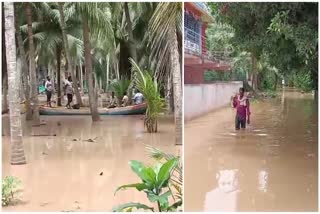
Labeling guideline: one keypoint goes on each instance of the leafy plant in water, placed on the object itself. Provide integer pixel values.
(151, 92)
(176, 176)
(10, 188)
(156, 183)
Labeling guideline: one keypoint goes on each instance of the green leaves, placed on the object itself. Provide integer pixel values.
(138, 186)
(120, 87)
(154, 182)
(151, 92)
(128, 207)
(164, 173)
(10, 188)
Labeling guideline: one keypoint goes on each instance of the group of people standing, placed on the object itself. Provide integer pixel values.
(68, 90)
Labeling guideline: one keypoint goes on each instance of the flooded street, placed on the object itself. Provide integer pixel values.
(74, 165)
(271, 166)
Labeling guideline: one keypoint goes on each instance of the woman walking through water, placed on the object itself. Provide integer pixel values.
(241, 103)
(49, 88)
(69, 92)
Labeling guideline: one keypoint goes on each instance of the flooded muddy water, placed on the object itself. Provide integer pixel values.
(270, 166)
(67, 156)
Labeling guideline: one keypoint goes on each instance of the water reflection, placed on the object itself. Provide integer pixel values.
(263, 181)
(224, 197)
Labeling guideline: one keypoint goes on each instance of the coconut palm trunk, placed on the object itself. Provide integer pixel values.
(25, 70)
(81, 78)
(88, 66)
(5, 107)
(34, 85)
(132, 47)
(58, 53)
(71, 66)
(177, 85)
(14, 77)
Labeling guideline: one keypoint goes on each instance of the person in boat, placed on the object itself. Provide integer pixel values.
(69, 91)
(112, 100)
(49, 88)
(125, 100)
(242, 104)
(138, 98)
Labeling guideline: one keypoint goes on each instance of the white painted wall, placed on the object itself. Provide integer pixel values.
(203, 98)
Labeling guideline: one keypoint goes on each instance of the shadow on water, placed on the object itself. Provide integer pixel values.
(75, 165)
(270, 166)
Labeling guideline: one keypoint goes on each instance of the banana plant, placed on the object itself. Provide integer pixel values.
(155, 183)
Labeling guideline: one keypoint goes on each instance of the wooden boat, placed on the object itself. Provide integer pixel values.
(128, 110)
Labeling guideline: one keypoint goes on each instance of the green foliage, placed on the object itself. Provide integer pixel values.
(216, 76)
(284, 33)
(120, 87)
(176, 176)
(151, 92)
(303, 80)
(10, 188)
(219, 37)
(155, 183)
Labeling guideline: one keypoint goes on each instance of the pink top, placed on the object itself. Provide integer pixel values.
(242, 105)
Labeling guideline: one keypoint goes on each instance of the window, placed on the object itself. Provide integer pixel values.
(192, 29)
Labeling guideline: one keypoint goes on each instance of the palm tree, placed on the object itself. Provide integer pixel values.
(14, 77)
(71, 67)
(34, 87)
(100, 28)
(88, 64)
(150, 89)
(25, 70)
(163, 27)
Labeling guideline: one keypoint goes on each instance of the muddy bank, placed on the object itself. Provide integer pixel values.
(67, 155)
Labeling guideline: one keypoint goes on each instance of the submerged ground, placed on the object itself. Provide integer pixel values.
(63, 171)
(271, 166)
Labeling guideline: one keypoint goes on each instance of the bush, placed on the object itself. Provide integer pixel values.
(303, 81)
(10, 188)
(216, 76)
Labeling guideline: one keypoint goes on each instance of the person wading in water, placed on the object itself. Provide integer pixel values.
(241, 103)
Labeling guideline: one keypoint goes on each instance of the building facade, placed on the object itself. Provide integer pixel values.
(197, 59)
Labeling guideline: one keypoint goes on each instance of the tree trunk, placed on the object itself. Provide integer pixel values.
(254, 73)
(168, 94)
(33, 75)
(88, 66)
(107, 87)
(71, 67)
(25, 71)
(14, 77)
(5, 107)
(81, 78)
(131, 46)
(59, 75)
(177, 85)
(275, 81)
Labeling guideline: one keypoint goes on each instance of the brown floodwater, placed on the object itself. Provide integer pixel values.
(270, 166)
(63, 171)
